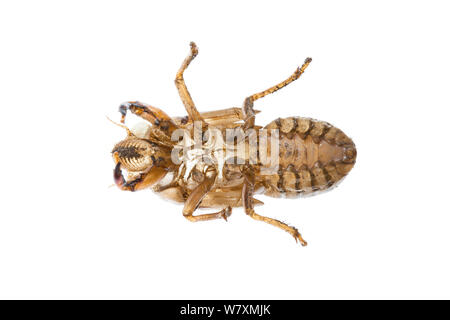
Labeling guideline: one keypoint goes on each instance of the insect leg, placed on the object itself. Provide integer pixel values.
(143, 181)
(182, 89)
(154, 115)
(221, 117)
(247, 198)
(247, 109)
(196, 197)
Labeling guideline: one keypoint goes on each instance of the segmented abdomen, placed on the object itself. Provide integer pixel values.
(313, 156)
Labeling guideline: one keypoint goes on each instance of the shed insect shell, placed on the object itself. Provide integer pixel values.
(222, 158)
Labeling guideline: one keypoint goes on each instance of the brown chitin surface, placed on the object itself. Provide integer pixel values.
(314, 156)
(133, 154)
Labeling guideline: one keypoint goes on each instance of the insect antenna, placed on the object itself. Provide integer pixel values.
(122, 126)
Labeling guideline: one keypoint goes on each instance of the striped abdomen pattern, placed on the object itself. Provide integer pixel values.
(313, 156)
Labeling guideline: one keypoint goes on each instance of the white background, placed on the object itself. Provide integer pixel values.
(380, 72)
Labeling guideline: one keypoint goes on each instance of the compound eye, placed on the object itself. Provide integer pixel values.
(118, 177)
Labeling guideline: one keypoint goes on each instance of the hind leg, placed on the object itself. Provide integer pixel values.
(247, 197)
(247, 109)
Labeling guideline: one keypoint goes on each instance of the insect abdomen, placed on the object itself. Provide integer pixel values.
(313, 156)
